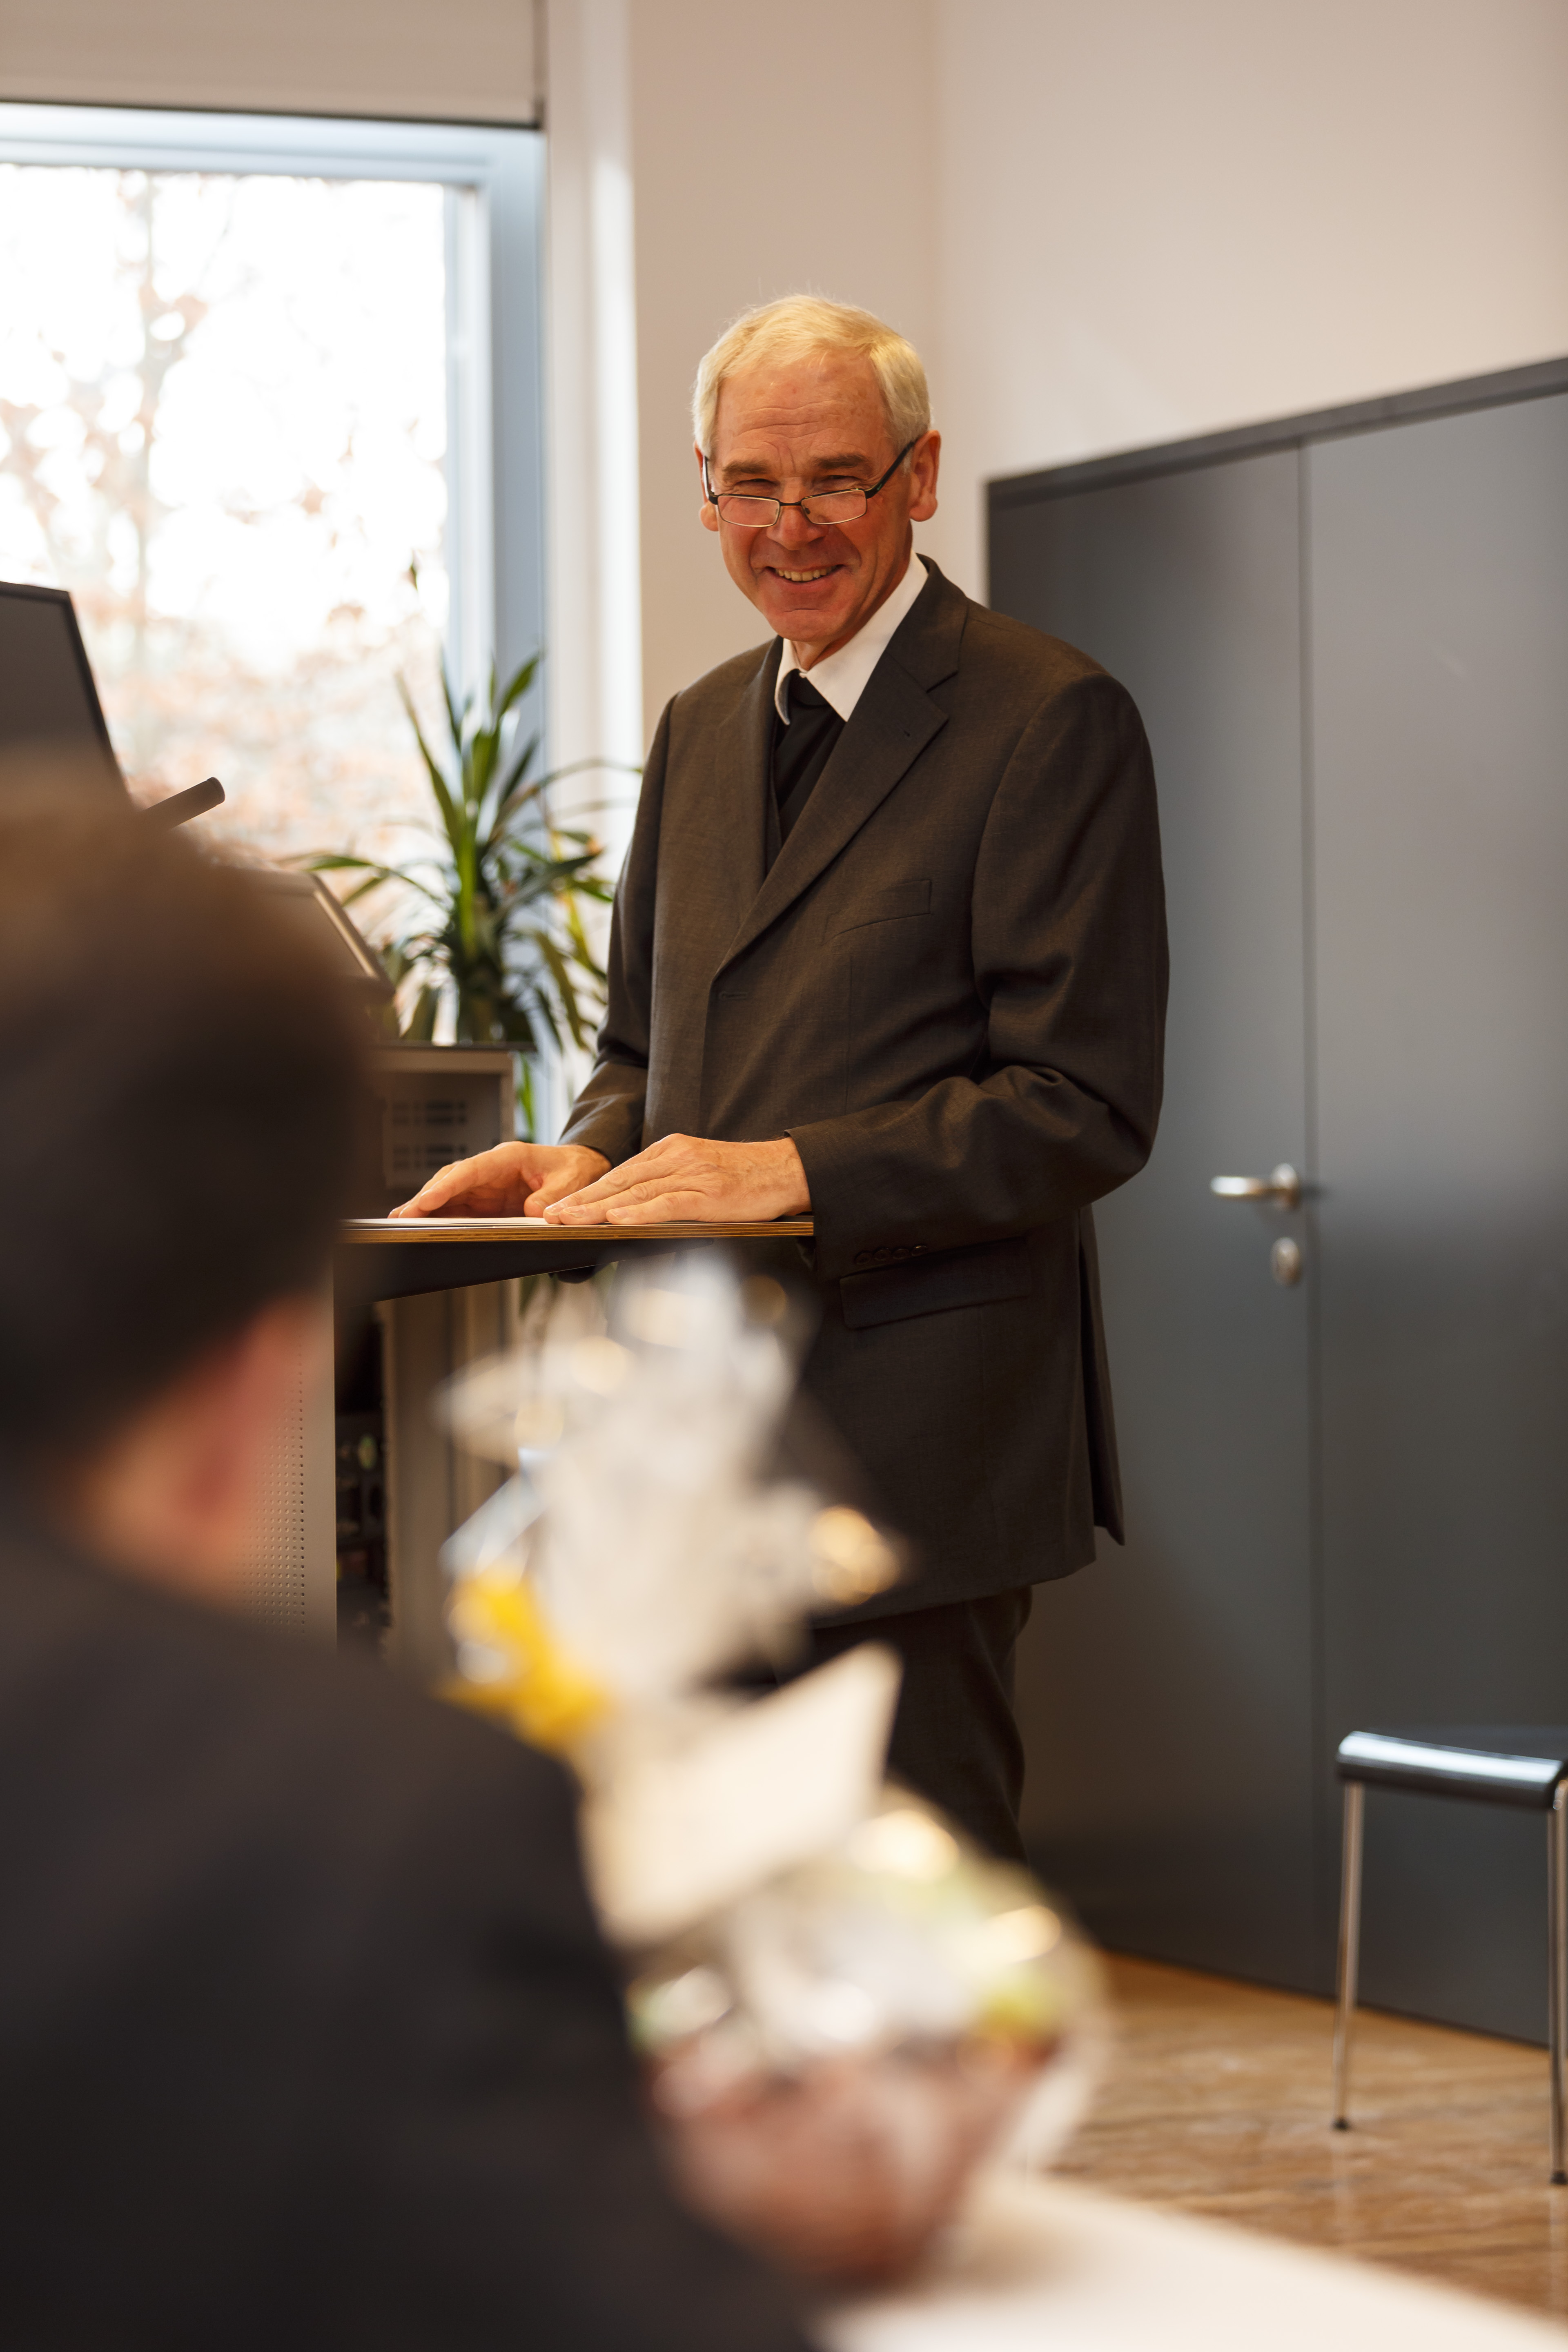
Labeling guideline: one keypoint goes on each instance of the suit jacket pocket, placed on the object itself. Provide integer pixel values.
(881, 906)
(978, 1277)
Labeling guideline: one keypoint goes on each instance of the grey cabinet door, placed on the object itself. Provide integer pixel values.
(1167, 1693)
(1440, 732)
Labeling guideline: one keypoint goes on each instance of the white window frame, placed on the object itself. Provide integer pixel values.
(494, 182)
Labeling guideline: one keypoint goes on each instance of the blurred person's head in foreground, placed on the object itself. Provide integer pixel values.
(177, 1074)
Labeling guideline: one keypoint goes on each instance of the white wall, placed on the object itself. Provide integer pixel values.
(1104, 225)
(771, 151)
(1159, 217)
(594, 674)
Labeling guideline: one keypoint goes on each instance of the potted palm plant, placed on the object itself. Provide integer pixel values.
(489, 926)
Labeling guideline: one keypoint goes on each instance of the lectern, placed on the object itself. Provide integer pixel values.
(370, 1472)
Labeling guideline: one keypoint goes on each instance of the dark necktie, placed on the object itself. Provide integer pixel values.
(801, 750)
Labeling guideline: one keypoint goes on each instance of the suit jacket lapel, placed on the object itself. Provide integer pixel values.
(738, 805)
(891, 724)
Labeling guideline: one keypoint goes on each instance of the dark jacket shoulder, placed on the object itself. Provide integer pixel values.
(714, 695)
(1015, 653)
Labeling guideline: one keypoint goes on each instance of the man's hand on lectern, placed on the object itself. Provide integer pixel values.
(688, 1179)
(515, 1179)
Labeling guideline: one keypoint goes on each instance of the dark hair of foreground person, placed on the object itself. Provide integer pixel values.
(176, 1076)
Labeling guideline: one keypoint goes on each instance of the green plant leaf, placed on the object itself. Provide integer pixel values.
(438, 782)
(518, 685)
(498, 933)
(421, 1024)
(565, 988)
(375, 875)
(512, 797)
(517, 1027)
(582, 952)
(455, 717)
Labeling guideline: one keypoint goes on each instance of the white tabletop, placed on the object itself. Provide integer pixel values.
(1044, 2266)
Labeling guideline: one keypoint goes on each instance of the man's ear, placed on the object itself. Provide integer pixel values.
(707, 514)
(925, 464)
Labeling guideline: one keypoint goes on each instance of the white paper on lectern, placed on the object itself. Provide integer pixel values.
(469, 1225)
(670, 1839)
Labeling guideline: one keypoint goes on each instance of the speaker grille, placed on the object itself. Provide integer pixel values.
(274, 1575)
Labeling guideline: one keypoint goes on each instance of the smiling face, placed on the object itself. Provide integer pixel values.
(786, 427)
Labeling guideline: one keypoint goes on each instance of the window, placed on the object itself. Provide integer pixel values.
(269, 390)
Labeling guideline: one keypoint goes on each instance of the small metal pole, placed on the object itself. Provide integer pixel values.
(1557, 1966)
(1350, 1947)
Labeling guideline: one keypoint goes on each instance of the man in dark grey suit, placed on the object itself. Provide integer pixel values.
(307, 2036)
(888, 948)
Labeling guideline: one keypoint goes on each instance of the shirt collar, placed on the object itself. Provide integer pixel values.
(844, 677)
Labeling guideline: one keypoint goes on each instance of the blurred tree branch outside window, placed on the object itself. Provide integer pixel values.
(223, 422)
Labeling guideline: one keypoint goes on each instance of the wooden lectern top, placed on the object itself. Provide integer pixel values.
(411, 1231)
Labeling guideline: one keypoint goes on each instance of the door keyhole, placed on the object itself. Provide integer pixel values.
(1285, 1264)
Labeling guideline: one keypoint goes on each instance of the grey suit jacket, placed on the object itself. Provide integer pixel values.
(949, 990)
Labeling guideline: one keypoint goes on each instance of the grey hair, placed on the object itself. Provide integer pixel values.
(804, 325)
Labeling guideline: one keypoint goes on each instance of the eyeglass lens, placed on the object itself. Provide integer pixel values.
(758, 514)
(827, 506)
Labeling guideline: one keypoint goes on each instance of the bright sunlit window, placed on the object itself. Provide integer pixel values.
(233, 411)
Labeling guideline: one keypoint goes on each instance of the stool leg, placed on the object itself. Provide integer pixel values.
(1350, 1947)
(1557, 1965)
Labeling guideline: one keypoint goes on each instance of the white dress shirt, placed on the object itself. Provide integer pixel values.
(844, 677)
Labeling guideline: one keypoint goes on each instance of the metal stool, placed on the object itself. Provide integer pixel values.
(1495, 1765)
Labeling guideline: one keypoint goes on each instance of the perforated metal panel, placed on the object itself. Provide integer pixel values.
(290, 1578)
(432, 1103)
(275, 1577)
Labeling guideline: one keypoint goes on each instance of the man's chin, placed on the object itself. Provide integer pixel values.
(805, 617)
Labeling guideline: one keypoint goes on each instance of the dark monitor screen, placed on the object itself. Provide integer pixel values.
(47, 698)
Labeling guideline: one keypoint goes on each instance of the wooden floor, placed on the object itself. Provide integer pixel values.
(1217, 2102)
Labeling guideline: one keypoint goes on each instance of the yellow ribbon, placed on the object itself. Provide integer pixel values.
(538, 1690)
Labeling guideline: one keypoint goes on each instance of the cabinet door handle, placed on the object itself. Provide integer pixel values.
(1280, 1190)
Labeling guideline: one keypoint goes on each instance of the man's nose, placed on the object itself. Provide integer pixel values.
(793, 529)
